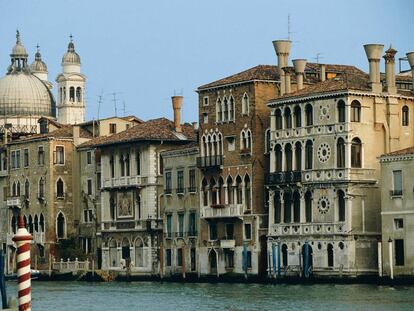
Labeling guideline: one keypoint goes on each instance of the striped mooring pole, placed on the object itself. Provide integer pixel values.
(22, 239)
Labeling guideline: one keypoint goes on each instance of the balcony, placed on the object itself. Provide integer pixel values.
(124, 181)
(289, 177)
(222, 211)
(179, 191)
(210, 162)
(308, 228)
(339, 174)
(14, 202)
(227, 243)
(39, 238)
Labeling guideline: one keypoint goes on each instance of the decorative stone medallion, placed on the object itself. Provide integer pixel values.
(324, 152)
(323, 205)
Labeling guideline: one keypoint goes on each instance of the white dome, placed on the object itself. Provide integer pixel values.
(71, 57)
(38, 64)
(23, 94)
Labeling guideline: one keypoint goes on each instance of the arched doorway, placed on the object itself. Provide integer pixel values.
(330, 255)
(307, 259)
(212, 259)
(284, 255)
(60, 226)
(126, 252)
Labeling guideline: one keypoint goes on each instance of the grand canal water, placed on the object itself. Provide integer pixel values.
(155, 296)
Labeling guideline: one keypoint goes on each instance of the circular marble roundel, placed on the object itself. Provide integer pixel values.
(323, 205)
(324, 152)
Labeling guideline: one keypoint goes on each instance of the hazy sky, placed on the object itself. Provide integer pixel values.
(147, 50)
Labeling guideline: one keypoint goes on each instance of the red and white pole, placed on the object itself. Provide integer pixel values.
(22, 239)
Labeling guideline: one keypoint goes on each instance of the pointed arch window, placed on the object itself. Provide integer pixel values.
(27, 189)
(72, 94)
(298, 156)
(230, 190)
(225, 109)
(36, 223)
(288, 157)
(340, 153)
(61, 226)
(245, 104)
(42, 223)
(231, 109)
(60, 191)
(278, 158)
(247, 190)
(239, 190)
(296, 207)
(218, 110)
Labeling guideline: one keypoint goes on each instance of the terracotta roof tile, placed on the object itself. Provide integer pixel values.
(160, 129)
(406, 151)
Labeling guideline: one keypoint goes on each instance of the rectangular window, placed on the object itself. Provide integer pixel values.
(89, 157)
(168, 257)
(180, 181)
(205, 101)
(193, 258)
(169, 225)
(181, 225)
(13, 159)
(179, 257)
(398, 223)
(213, 231)
(229, 231)
(17, 158)
(247, 231)
(192, 224)
(192, 180)
(26, 157)
(231, 143)
(160, 165)
(59, 155)
(229, 258)
(89, 187)
(399, 252)
(397, 180)
(40, 156)
(112, 128)
(168, 182)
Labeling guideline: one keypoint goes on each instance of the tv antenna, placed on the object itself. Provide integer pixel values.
(100, 101)
(318, 57)
(115, 101)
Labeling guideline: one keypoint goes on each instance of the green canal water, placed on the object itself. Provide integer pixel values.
(155, 296)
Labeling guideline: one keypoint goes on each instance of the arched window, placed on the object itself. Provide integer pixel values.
(220, 192)
(60, 226)
(78, 94)
(284, 255)
(309, 155)
(113, 253)
(277, 207)
(139, 253)
(309, 115)
(204, 186)
(247, 191)
(287, 199)
(231, 109)
(41, 188)
(356, 153)
(126, 251)
(355, 111)
(230, 190)
(298, 156)
(239, 190)
(288, 157)
(340, 153)
(278, 158)
(405, 116)
(330, 255)
(225, 110)
(243, 140)
(30, 224)
(27, 189)
(218, 110)
(42, 223)
(64, 93)
(341, 111)
(60, 188)
(139, 211)
(298, 116)
(245, 104)
(72, 94)
(308, 206)
(213, 190)
(296, 207)
(288, 118)
(279, 120)
(249, 139)
(341, 205)
(14, 224)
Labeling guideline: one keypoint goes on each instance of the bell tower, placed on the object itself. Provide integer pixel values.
(71, 88)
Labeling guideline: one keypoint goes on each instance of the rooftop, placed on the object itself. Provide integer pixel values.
(402, 152)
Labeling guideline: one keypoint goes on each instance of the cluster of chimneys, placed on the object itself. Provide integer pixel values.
(373, 51)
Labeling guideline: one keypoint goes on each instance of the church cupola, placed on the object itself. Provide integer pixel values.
(71, 88)
(39, 67)
(18, 57)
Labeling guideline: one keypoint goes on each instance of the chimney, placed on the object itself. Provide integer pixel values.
(322, 72)
(288, 71)
(299, 65)
(410, 57)
(282, 49)
(374, 52)
(390, 70)
(177, 102)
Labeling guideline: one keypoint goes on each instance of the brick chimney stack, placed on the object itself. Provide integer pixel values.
(177, 102)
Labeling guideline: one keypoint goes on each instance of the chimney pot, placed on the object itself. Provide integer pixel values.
(282, 49)
(299, 65)
(374, 52)
(322, 72)
(177, 102)
(390, 70)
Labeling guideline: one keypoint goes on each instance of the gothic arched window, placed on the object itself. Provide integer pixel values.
(356, 153)
(355, 111)
(405, 116)
(341, 111)
(340, 153)
(309, 114)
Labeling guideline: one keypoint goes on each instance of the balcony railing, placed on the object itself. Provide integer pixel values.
(227, 243)
(210, 161)
(178, 234)
(124, 181)
(288, 177)
(222, 211)
(14, 201)
(283, 229)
